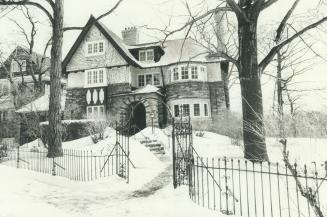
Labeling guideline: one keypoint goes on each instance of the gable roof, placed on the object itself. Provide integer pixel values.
(175, 51)
(117, 43)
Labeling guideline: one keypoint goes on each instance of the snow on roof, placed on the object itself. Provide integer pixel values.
(41, 104)
(147, 89)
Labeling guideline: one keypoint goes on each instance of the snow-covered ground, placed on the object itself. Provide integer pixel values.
(150, 193)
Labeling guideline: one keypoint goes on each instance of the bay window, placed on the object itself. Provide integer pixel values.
(195, 108)
(188, 72)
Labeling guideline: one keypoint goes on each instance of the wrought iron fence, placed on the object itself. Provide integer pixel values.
(244, 188)
(78, 165)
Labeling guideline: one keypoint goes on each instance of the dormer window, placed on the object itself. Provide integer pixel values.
(146, 55)
(94, 48)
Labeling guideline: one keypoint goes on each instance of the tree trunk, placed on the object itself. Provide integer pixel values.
(280, 109)
(250, 80)
(55, 146)
(225, 78)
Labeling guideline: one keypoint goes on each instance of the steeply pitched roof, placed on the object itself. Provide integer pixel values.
(112, 37)
(175, 51)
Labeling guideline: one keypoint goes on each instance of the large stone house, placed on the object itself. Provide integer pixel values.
(150, 82)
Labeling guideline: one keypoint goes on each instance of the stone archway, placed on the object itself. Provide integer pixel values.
(136, 113)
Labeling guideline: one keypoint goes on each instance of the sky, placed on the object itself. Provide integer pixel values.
(156, 13)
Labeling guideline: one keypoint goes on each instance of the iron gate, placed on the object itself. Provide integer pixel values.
(182, 151)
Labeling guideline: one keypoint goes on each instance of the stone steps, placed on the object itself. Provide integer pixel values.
(154, 146)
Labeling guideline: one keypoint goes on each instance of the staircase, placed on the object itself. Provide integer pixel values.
(153, 145)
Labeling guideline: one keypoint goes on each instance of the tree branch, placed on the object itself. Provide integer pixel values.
(98, 18)
(237, 10)
(28, 3)
(263, 64)
(268, 3)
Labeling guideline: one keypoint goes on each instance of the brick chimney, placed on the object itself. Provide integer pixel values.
(130, 35)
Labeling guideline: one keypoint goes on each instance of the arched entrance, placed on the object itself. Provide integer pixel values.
(137, 117)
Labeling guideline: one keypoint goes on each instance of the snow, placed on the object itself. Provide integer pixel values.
(150, 191)
(147, 89)
(41, 104)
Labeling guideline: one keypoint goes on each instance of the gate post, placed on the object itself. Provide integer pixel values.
(173, 149)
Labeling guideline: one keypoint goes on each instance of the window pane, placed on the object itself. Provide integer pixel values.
(196, 109)
(101, 111)
(186, 109)
(206, 110)
(184, 72)
(23, 65)
(176, 74)
(89, 112)
(95, 48)
(101, 47)
(89, 48)
(156, 79)
(141, 80)
(142, 55)
(176, 110)
(101, 76)
(95, 112)
(95, 77)
(150, 55)
(194, 71)
(148, 79)
(89, 77)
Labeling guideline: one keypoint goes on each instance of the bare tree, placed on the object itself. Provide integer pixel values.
(54, 10)
(250, 69)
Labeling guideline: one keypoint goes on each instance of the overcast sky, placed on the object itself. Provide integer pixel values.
(156, 13)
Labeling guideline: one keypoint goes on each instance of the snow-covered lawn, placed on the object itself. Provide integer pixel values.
(30, 194)
(149, 193)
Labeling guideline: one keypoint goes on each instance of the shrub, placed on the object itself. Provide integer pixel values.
(71, 130)
(3, 151)
(96, 130)
(199, 133)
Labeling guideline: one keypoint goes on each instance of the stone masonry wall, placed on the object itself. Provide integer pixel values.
(75, 104)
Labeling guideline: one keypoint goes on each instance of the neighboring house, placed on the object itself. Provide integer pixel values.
(149, 82)
(28, 75)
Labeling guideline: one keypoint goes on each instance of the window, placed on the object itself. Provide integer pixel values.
(100, 47)
(176, 77)
(95, 77)
(142, 55)
(95, 112)
(89, 77)
(95, 48)
(145, 79)
(146, 55)
(100, 75)
(3, 116)
(188, 72)
(194, 72)
(148, 79)
(184, 72)
(156, 79)
(89, 48)
(206, 113)
(149, 55)
(186, 109)
(141, 80)
(176, 110)
(196, 108)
